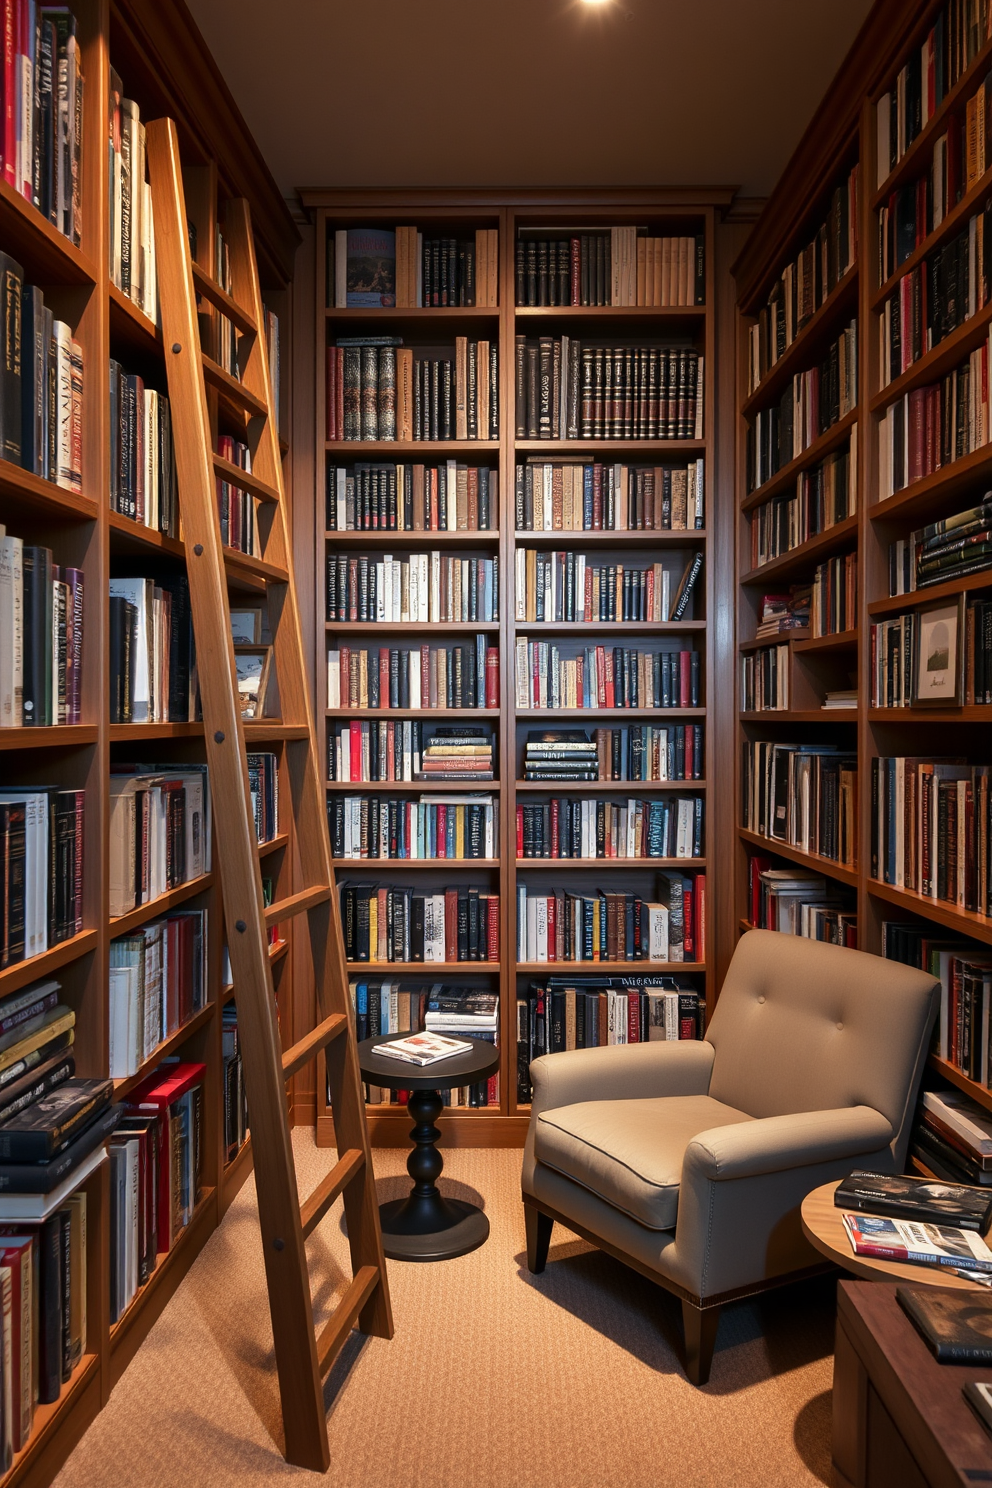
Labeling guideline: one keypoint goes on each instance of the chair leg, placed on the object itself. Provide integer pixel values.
(539, 1228)
(699, 1325)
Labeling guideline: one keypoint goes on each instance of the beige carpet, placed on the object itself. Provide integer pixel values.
(495, 1378)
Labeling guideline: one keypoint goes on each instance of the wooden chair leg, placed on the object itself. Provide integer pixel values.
(539, 1228)
(699, 1325)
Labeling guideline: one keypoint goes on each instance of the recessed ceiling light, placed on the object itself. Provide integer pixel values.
(597, 2)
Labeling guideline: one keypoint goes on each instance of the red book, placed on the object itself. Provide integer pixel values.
(688, 939)
(492, 927)
(332, 405)
(442, 830)
(451, 924)
(355, 750)
(492, 677)
(18, 1253)
(552, 928)
(157, 1094)
(700, 912)
(492, 1091)
(520, 831)
(633, 1017)
(917, 433)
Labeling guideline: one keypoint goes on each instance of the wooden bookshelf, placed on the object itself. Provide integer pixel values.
(455, 213)
(164, 66)
(844, 129)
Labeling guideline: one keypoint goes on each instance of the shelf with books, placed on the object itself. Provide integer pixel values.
(978, 1092)
(932, 494)
(489, 787)
(964, 921)
(941, 358)
(800, 559)
(21, 973)
(619, 313)
(462, 968)
(826, 866)
(418, 537)
(840, 640)
(453, 865)
(55, 736)
(378, 449)
(121, 924)
(608, 968)
(165, 1049)
(615, 862)
(824, 444)
(30, 237)
(662, 537)
(397, 627)
(794, 357)
(916, 599)
(381, 316)
(969, 713)
(23, 493)
(799, 715)
(170, 1268)
(590, 448)
(622, 787)
(435, 715)
(953, 220)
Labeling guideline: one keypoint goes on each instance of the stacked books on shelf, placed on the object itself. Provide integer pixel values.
(618, 266)
(765, 679)
(930, 828)
(963, 971)
(935, 425)
(235, 1096)
(388, 1007)
(591, 828)
(613, 926)
(570, 586)
(783, 612)
(155, 1161)
(833, 604)
(805, 283)
(396, 923)
(456, 752)
(158, 980)
(422, 588)
(575, 389)
(263, 784)
(825, 495)
(589, 496)
(916, 1221)
(798, 902)
(381, 749)
(142, 459)
(457, 676)
(41, 384)
(152, 651)
(840, 699)
(42, 141)
(953, 1136)
(41, 869)
(951, 548)
(586, 1012)
(379, 389)
(560, 754)
(547, 676)
(804, 795)
(383, 268)
(447, 826)
(238, 508)
(131, 235)
(811, 404)
(448, 497)
(160, 832)
(41, 636)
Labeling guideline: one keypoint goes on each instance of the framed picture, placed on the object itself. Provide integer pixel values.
(246, 626)
(937, 669)
(252, 666)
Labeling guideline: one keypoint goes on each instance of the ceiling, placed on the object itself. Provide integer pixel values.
(528, 92)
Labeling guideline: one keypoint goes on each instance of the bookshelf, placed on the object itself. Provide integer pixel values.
(844, 130)
(164, 66)
(459, 214)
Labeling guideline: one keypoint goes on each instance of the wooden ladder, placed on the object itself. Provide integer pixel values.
(301, 1357)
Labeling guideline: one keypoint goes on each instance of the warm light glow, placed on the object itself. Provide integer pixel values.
(597, 2)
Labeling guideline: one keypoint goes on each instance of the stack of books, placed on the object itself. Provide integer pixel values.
(560, 754)
(781, 612)
(949, 549)
(798, 902)
(463, 1012)
(916, 1220)
(457, 752)
(953, 1138)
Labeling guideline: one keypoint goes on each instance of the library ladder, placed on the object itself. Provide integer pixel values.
(302, 1357)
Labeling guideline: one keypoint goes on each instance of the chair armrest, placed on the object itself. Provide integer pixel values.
(775, 1143)
(621, 1072)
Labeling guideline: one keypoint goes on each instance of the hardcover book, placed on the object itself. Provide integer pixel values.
(956, 1326)
(916, 1199)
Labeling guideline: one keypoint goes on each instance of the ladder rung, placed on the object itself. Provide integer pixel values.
(242, 563)
(316, 1206)
(230, 388)
(221, 300)
(336, 1331)
(244, 480)
(295, 904)
(301, 1053)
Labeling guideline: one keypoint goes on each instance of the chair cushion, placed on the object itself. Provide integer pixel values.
(629, 1152)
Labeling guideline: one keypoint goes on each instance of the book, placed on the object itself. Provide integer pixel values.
(824, 495)
(813, 401)
(917, 1243)
(616, 266)
(405, 497)
(585, 495)
(422, 1048)
(423, 588)
(955, 1327)
(610, 925)
(570, 586)
(604, 829)
(379, 390)
(915, 1199)
(801, 794)
(462, 675)
(46, 1177)
(570, 675)
(396, 923)
(46, 1127)
(448, 826)
(607, 392)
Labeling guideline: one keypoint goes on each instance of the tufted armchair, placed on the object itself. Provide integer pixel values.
(688, 1161)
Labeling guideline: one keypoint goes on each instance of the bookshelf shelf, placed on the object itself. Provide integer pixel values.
(606, 787)
(130, 326)
(452, 864)
(938, 360)
(163, 1050)
(977, 1091)
(22, 490)
(824, 444)
(800, 715)
(122, 924)
(780, 638)
(620, 968)
(638, 449)
(45, 254)
(933, 494)
(921, 598)
(411, 627)
(798, 560)
(964, 921)
(408, 449)
(597, 864)
(526, 715)
(390, 968)
(459, 787)
(372, 315)
(417, 538)
(956, 218)
(649, 314)
(12, 978)
(438, 714)
(664, 537)
(58, 736)
(826, 866)
(840, 640)
(970, 713)
(841, 298)
(536, 628)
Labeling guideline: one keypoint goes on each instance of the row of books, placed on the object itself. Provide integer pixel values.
(958, 965)
(797, 901)
(152, 650)
(613, 926)
(588, 496)
(825, 495)
(420, 588)
(396, 923)
(833, 605)
(951, 1134)
(446, 826)
(448, 497)
(948, 549)
(765, 679)
(263, 791)
(570, 586)
(935, 425)
(41, 384)
(458, 676)
(379, 389)
(215, 327)
(158, 980)
(811, 404)
(586, 1013)
(930, 828)
(571, 389)
(236, 507)
(235, 1094)
(131, 240)
(637, 751)
(590, 828)
(779, 613)
(41, 869)
(142, 458)
(379, 268)
(160, 831)
(155, 1166)
(943, 291)
(960, 30)
(895, 651)
(622, 266)
(801, 794)
(386, 749)
(390, 1006)
(605, 677)
(805, 283)
(41, 636)
(41, 139)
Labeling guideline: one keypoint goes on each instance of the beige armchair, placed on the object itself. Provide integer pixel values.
(688, 1161)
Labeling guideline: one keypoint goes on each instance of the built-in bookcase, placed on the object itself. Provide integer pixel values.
(688, 327)
(904, 480)
(83, 532)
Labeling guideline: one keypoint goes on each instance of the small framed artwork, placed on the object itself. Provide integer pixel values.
(246, 626)
(937, 669)
(252, 666)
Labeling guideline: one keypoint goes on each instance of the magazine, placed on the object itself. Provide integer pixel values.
(422, 1048)
(923, 1244)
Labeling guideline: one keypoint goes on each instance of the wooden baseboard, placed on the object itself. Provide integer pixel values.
(391, 1128)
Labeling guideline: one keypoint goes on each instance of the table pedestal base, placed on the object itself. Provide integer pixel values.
(425, 1226)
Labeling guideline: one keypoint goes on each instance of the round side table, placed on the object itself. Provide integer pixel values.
(824, 1228)
(426, 1226)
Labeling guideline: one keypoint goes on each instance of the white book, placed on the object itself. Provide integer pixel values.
(122, 1000)
(334, 686)
(62, 338)
(139, 592)
(657, 928)
(671, 1016)
(11, 631)
(541, 928)
(521, 922)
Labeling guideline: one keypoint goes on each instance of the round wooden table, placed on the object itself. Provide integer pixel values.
(824, 1228)
(426, 1226)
